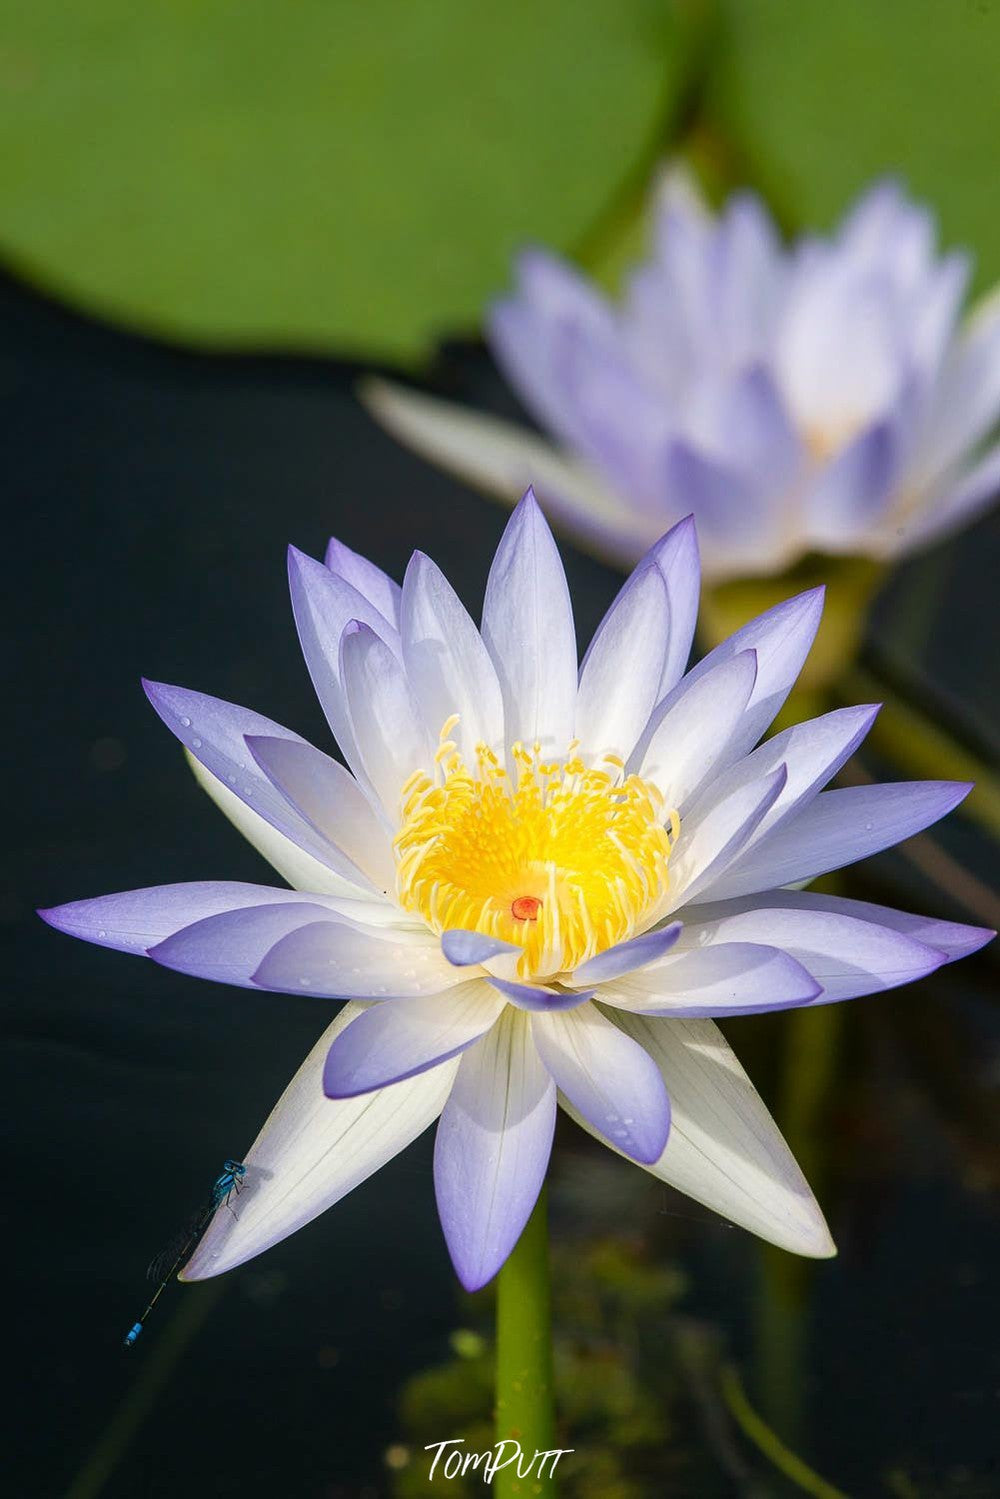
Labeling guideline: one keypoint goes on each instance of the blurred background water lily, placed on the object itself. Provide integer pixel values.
(813, 397)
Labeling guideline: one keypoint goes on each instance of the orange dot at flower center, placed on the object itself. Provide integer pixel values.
(525, 908)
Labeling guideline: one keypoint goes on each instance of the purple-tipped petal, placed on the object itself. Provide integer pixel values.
(693, 740)
(851, 948)
(535, 997)
(811, 752)
(340, 960)
(389, 731)
(312, 1151)
(229, 947)
(136, 920)
(529, 633)
(464, 949)
(731, 978)
(390, 1042)
(953, 938)
(324, 605)
(709, 844)
(492, 1148)
(676, 557)
(381, 591)
(724, 1149)
(608, 1077)
(447, 664)
(627, 956)
(838, 828)
(332, 801)
(621, 672)
(781, 638)
(216, 734)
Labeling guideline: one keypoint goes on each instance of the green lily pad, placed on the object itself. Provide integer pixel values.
(324, 173)
(821, 97)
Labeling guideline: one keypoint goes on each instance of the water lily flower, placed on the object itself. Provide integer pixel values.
(811, 398)
(535, 884)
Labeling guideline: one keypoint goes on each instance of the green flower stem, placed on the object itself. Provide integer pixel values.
(524, 1406)
(922, 748)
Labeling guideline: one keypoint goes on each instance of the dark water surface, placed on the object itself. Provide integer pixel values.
(151, 495)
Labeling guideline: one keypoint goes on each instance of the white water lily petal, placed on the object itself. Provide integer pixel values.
(313, 1151)
(324, 605)
(389, 731)
(492, 1148)
(448, 666)
(708, 844)
(330, 798)
(299, 868)
(693, 739)
(781, 638)
(397, 1039)
(676, 556)
(529, 633)
(724, 1149)
(731, 978)
(608, 1077)
(621, 672)
(342, 960)
(953, 938)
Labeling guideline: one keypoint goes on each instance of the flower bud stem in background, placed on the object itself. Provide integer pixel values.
(524, 1395)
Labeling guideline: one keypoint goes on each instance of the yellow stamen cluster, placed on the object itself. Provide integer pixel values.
(560, 858)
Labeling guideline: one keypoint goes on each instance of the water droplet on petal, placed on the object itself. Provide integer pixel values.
(231, 779)
(306, 983)
(186, 722)
(102, 934)
(196, 744)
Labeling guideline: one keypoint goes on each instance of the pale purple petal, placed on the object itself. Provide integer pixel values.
(529, 633)
(216, 733)
(312, 1151)
(464, 949)
(709, 844)
(952, 938)
(392, 1041)
(332, 801)
(136, 920)
(720, 497)
(535, 997)
(229, 948)
(324, 605)
(447, 664)
(838, 828)
(608, 1078)
(381, 591)
(341, 960)
(676, 556)
(389, 731)
(492, 1148)
(695, 735)
(847, 956)
(621, 672)
(627, 956)
(812, 752)
(728, 978)
(781, 637)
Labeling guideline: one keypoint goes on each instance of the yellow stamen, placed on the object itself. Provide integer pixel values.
(557, 857)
